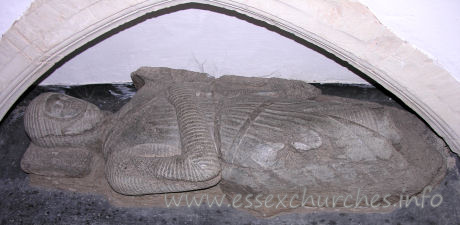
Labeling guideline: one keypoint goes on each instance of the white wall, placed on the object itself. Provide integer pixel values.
(431, 26)
(11, 10)
(218, 44)
(202, 41)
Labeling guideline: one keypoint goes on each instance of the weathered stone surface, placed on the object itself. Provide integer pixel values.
(369, 46)
(185, 131)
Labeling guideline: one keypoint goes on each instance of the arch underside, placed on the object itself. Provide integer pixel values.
(51, 30)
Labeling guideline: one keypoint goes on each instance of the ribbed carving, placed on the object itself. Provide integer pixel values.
(48, 130)
(133, 172)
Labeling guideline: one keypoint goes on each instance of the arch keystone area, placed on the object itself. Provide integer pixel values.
(52, 29)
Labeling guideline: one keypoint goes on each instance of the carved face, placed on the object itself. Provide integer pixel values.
(64, 107)
(52, 117)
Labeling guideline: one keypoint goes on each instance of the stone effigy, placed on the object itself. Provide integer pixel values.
(185, 131)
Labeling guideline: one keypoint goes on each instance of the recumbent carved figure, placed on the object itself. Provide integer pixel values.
(185, 131)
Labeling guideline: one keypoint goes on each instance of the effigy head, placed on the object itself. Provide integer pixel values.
(52, 117)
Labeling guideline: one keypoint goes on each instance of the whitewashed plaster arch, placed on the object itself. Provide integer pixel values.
(52, 29)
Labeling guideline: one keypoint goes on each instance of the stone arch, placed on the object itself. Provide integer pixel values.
(51, 30)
